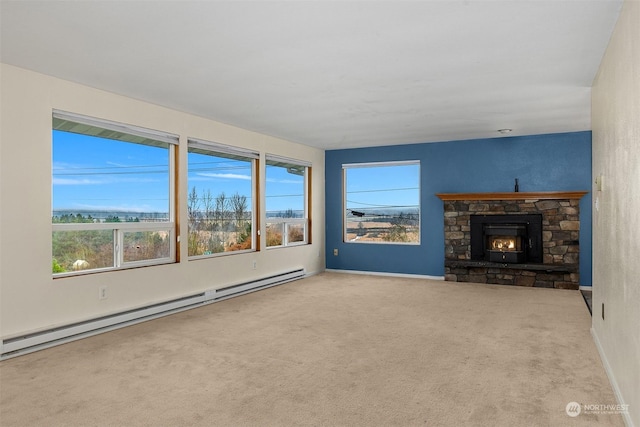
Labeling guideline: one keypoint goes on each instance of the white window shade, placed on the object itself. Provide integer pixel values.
(85, 125)
(204, 147)
(380, 164)
(274, 160)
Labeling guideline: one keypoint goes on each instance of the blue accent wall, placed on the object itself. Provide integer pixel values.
(552, 162)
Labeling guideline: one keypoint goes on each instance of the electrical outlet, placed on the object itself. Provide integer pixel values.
(102, 292)
(335, 252)
(254, 264)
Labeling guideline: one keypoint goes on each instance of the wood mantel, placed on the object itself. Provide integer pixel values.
(542, 195)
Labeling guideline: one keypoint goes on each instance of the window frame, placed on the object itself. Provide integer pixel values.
(346, 167)
(305, 221)
(120, 228)
(215, 149)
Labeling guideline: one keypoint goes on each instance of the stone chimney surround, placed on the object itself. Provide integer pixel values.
(560, 212)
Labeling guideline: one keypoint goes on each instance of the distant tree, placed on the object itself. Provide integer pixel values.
(239, 207)
(211, 219)
(192, 216)
(289, 213)
(222, 210)
(193, 204)
(112, 218)
(70, 218)
(208, 210)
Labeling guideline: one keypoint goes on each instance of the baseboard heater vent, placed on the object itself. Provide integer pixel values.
(37, 341)
(243, 288)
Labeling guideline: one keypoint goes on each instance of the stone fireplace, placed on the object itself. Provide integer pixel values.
(524, 239)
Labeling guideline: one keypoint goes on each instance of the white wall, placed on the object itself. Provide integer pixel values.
(30, 300)
(616, 213)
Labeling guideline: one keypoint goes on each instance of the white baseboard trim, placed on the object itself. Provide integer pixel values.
(30, 342)
(614, 384)
(585, 288)
(379, 273)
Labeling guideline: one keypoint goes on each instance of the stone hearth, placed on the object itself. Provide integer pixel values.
(560, 238)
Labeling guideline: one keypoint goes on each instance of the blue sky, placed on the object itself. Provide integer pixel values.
(218, 175)
(102, 174)
(383, 187)
(91, 173)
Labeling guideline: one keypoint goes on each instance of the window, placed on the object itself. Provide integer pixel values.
(382, 202)
(221, 199)
(112, 195)
(287, 206)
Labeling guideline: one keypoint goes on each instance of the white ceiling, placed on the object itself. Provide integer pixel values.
(331, 74)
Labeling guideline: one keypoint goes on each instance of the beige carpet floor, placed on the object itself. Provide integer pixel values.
(329, 350)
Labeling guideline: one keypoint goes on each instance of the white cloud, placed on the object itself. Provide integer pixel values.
(72, 181)
(119, 165)
(285, 181)
(225, 176)
(106, 180)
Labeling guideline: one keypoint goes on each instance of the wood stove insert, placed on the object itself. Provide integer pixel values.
(512, 238)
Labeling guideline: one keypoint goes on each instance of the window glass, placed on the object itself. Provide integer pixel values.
(112, 196)
(104, 178)
(145, 245)
(82, 250)
(287, 218)
(382, 202)
(220, 201)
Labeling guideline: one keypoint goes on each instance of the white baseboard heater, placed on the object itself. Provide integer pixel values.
(243, 288)
(37, 341)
